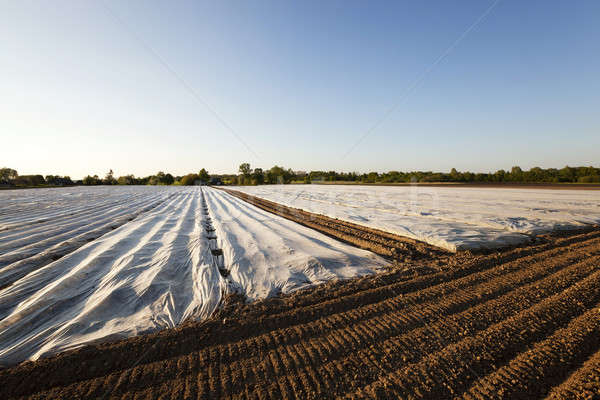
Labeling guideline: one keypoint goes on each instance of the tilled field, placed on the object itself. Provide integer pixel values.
(521, 323)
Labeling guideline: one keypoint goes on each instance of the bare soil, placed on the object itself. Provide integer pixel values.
(517, 323)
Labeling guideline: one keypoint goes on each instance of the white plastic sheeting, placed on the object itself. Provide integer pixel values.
(449, 217)
(267, 254)
(39, 225)
(151, 272)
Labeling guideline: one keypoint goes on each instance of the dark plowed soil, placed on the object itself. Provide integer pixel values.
(521, 323)
(398, 248)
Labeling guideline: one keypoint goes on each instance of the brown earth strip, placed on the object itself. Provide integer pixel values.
(510, 324)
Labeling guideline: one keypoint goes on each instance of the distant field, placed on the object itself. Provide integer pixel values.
(453, 218)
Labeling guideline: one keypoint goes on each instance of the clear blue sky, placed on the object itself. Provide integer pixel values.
(300, 83)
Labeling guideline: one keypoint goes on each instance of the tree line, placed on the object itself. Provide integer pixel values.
(10, 177)
(201, 178)
(257, 176)
(515, 175)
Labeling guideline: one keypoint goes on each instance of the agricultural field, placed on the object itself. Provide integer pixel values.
(454, 218)
(81, 265)
(457, 293)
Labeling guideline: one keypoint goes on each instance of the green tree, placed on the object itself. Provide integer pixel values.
(92, 180)
(500, 175)
(29, 180)
(126, 180)
(246, 171)
(274, 175)
(52, 179)
(189, 179)
(258, 177)
(7, 175)
(372, 177)
(204, 176)
(109, 179)
(516, 174)
(454, 175)
(566, 174)
(168, 179)
(159, 178)
(279, 174)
